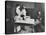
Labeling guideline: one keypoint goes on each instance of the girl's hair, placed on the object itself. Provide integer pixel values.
(17, 5)
(21, 7)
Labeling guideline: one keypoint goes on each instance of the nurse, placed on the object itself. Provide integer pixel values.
(20, 10)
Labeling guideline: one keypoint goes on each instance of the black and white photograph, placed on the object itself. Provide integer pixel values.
(24, 17)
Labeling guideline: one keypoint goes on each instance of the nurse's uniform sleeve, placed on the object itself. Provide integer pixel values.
(17, 10)
(24, 12)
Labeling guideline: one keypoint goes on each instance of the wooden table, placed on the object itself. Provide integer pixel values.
(25, 23)
(30, 23)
